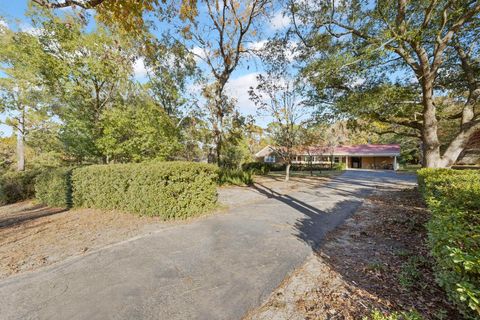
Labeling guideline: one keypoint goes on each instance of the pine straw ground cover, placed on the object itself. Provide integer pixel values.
(378, 260)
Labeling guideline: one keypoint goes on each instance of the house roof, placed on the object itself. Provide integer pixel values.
(353, 150)
(369, 149)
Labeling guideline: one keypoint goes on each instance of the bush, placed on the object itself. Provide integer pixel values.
(17, 186)
(260, 168)
(405, 315)
(53, 187)
(339, 166)
(166, 189)
(453, 197)
(235, 177)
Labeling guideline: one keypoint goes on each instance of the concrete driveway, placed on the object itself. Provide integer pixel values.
(213, 268)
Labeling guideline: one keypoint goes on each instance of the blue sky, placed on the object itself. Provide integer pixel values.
(242, 79)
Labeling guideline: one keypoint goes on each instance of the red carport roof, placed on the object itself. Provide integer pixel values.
(369, 149)
(353, 150)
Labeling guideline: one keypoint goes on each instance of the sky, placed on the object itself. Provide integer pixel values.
(242, 79)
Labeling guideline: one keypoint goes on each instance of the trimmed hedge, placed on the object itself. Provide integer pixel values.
(166, 189)
(17, 186)
(54, 187)
(453, 197)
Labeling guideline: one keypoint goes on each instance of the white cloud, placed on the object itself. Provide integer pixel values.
(24, 27)
(139, 69)
(279, 21)
(238, 88)
(198, 52)
(3, 24)
(257, 45)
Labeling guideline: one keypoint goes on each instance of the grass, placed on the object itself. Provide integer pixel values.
(323, 173)
(409, 168)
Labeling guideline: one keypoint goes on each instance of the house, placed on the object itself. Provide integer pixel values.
(363, 156)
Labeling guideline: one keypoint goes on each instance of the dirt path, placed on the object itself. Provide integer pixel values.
(377, 260)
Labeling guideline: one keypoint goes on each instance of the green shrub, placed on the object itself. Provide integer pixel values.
(260, 168)
(235, 177)
(453, 197)
(53, 187)
(17, 186)
(404, 315)
(166, 189)
(339, 166)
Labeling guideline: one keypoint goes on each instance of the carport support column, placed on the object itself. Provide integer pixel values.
(346, 162)
(395, 163)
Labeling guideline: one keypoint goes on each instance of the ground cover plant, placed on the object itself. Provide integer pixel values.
(453, 196)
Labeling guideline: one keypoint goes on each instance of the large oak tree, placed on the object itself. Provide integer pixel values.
(435, 41)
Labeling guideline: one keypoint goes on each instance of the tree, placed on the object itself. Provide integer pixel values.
(86, 74)
(138, 131)
(127, 16)
(221, 34)
(279, 98)
(89, 4)
(21, 91)
(421, 37)
(7, 153)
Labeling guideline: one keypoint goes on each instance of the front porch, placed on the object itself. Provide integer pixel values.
(371, 162)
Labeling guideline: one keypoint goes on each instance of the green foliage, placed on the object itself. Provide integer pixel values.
(404, 315)
(235, 177)
(339, 166)
(260, 168)
(235, 151)
(138, 132)
(171, 190)
(17, 186)
(453, 196)
(7, 153)
(53, 187)
(411, 271)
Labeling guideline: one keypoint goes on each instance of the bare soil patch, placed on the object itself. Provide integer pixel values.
(377, 260)
(32, 235)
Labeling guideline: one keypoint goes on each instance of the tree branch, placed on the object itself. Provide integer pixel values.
(88, 4)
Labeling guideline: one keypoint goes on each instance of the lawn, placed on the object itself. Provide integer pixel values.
(305, 174)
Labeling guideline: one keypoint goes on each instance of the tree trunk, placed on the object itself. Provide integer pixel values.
(218, 149)
(431, 144)
(287, 172)
(458, 144)
(20, 148)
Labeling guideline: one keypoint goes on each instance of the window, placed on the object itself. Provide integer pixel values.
(336, 160)
(270, 159)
